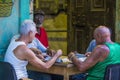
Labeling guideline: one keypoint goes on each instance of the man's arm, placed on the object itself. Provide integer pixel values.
(99, 54)
(29, 55)
(40, 64)
(38, 53)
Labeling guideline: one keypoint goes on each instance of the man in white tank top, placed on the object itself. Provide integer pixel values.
(18, 54)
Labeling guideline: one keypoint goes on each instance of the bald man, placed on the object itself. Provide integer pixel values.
(105, 53)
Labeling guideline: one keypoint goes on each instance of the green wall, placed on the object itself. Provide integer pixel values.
(9, 26)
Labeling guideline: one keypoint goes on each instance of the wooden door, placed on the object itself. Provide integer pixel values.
(84, 16)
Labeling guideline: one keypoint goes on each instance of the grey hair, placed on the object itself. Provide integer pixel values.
(27, 26)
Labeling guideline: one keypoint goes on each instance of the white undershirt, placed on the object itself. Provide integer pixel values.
(19, 65)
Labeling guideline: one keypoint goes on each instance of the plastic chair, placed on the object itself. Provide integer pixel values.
(7, 71)
(112, 72)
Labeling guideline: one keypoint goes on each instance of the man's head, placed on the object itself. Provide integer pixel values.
(39, 17)
(28, 29)
(102, 34)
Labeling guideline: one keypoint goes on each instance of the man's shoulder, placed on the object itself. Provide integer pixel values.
(101, 52)
(102, 48)
(22, 48)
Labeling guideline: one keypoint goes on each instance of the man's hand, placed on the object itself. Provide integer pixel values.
(51, 52)
(71, 55)
(87, 54)
(59, 53)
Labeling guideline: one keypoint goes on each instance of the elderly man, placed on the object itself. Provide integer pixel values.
(18, 54)
(105, 53)
(41, 35)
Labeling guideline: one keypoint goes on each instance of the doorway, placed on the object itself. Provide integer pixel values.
(84, 16)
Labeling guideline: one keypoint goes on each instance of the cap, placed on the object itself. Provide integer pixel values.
(39, 12)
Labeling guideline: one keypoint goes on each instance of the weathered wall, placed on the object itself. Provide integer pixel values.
(57, 38)
(117, 32)
(9, 26)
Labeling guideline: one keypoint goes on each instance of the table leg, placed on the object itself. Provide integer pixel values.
(66, 77)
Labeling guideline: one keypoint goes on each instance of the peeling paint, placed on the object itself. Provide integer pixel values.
(9, 26)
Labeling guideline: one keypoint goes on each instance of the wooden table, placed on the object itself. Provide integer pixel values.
(64, 69)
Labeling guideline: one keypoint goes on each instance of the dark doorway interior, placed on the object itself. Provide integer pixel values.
(84, 16)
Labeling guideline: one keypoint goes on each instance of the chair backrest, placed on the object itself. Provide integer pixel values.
(112, 72)
(7, 71)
